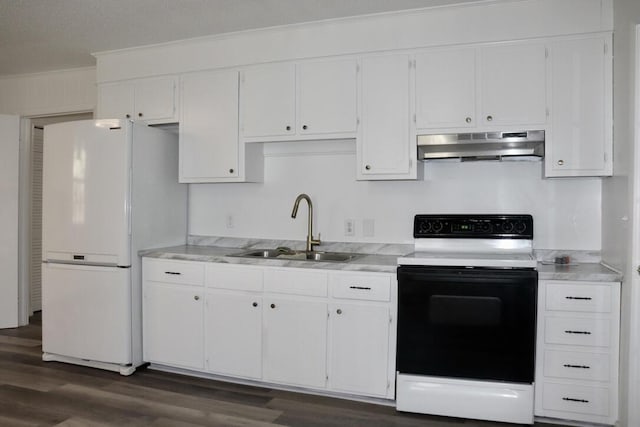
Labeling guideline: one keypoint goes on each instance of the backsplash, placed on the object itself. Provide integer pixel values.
(566, 211)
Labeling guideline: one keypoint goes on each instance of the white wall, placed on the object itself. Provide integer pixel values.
(65, 91)
(566, 211)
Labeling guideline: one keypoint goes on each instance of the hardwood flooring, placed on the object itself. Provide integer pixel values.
(37, 393)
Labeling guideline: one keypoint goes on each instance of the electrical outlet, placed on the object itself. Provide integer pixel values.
(229, 221)
(368, 227)
(349, 227)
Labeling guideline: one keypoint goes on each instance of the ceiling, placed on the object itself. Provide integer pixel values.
(45, 35)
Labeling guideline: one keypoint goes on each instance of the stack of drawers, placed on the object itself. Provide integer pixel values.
(577, 351)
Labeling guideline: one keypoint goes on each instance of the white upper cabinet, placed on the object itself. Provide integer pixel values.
(482, 87)
(209, 126)
(580, 139)
(446, 88)
(152, 100)
(327, 97)
(386, 143)
(288, 101)
(268, 100)
(513, 85)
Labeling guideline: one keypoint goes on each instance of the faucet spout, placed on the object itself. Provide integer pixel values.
(311, 241)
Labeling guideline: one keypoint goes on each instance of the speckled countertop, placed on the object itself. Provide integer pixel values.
(373, 258)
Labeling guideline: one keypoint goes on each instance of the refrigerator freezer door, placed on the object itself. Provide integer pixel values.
(86, 187)
(86, 312)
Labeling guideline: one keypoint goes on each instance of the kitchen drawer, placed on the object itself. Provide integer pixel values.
(576, 398)
(577, 331)
(577, 365)
(576, 297)
(361, 286)
(296, 282)
(187, 273)
(235, 278)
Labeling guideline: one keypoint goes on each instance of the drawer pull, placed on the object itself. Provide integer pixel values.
(571, 399)
(173, 273)
(577, 366)
(578, 332)
(364, 288)
(580, 298)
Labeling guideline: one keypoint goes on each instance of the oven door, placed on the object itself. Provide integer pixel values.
(468, 323)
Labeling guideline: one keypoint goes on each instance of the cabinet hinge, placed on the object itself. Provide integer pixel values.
(605, 157)
(327, 377)
(390, 318)
(328, 314)
(357, 68)
(546, 52)
(606, 48)
(414, 118)
(388, 384)
(546, 110)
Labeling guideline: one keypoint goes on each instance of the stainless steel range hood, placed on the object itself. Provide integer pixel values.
(525, 145)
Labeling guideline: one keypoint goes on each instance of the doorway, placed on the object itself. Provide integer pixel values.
(35, 203)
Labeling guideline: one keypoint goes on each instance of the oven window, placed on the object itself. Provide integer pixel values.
(467, 323)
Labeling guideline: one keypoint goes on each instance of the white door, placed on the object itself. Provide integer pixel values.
(86, 192)
(327, 96)
(513, 85)
(209, 126)
(295, 342)
(359, 361)
(446, 88)
(86, 312)
(267, 100)
(173, 325)
(385, 144)
(9, 161)
(234, 334)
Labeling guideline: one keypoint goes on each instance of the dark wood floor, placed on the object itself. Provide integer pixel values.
(35, 393)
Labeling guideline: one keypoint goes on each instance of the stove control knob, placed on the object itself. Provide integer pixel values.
(437, 226)
(485, 227)
(424, 227)
(507, 227)
(520, 227)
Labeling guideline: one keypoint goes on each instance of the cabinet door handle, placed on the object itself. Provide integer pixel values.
(196, 297)
(580, 298)
(139, 114)
(128, 116)
(304, 127)
(578, 332)
(339, 311)
(255, 304)
(468, 120)
(367, 167)
(364, 288)
(231, 170)
(288, 128)
(173, 273)
(272, 306)
(566, 365)
(571, 399)
(489, 118)
(561, 162)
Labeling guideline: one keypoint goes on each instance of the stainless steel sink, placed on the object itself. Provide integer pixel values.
(285, 253)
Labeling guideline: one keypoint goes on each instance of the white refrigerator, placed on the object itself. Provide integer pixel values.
(110, 189)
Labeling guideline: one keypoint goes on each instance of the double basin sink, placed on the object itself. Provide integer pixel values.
(288, 254)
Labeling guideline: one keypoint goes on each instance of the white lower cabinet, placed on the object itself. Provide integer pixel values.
(234, 334)
(295, 341)
(310, 328)
(173, 313)
(577, 351)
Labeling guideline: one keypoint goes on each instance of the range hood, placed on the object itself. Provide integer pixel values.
(521, 145)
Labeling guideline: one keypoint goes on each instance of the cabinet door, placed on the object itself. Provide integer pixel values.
(386, 143)
(155, 100)
(173, 325)
(580, 140)
(327, 97)
(446, 88)
(234, 334)
(115, 101)
(209, 126)
(295, 342)
(359, 348)
(513, 85)
(267, 100)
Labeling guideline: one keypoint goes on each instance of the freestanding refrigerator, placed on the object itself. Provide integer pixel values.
(110, 189)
